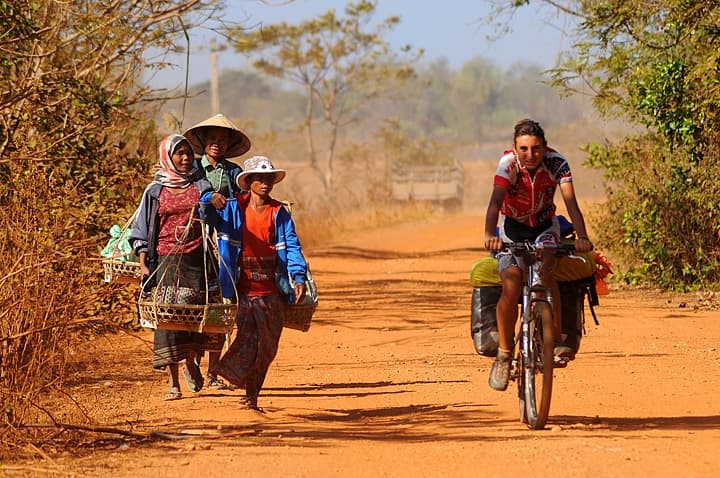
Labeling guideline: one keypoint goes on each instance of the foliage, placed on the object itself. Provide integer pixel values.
(76, 147)
(405, 151)
(659, 219)
(337, 60)
(657, 65)
(472, 104)
(255, 102)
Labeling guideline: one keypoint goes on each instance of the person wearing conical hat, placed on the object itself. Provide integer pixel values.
(216, 139)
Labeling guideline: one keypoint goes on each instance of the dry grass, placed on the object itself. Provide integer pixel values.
(319, 228)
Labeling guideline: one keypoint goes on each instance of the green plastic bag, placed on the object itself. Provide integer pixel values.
(118, 247)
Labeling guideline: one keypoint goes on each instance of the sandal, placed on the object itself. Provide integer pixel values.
(216, 384)
(193, 384)
(172, 394)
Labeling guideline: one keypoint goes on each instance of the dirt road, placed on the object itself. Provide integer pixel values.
(387, 383)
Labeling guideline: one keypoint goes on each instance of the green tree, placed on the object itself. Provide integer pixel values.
(340, 61)
(475, 96)
(656, 65)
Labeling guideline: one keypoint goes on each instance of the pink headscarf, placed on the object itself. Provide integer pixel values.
(167, 174)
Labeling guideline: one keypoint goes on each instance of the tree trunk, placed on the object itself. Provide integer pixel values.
(331, 157)
(312, 157)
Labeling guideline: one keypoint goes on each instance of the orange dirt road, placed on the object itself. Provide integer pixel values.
(387, 383)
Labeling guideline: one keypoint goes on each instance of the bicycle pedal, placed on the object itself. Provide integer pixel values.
(561, 362)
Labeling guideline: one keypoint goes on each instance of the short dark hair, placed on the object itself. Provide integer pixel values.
(529, 127)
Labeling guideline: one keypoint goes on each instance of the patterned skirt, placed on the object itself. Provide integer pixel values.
(174, 346)
(247, 360)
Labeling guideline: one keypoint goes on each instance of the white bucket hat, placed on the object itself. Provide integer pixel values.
(238, 145)
(258, 165)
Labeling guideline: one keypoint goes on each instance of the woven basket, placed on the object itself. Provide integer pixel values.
(121, 271)
(210, 318)
(298, 316)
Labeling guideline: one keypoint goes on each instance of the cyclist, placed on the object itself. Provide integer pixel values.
(522, 201)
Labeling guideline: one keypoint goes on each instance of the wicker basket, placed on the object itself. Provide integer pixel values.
(209, 318)
(121, 271)
(298, 316)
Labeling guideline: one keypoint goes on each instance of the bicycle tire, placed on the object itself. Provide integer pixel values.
(538, 373)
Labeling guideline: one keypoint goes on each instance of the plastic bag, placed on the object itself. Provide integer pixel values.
(118, 247)
(484, 272)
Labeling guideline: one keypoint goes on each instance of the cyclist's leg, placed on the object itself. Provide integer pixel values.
(507, 307)
(547, 274)
(506, 314)
(562, 352)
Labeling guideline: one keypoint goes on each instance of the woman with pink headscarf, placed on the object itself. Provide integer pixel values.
(170, 249)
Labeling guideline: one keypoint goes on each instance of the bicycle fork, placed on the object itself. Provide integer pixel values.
(533, 291)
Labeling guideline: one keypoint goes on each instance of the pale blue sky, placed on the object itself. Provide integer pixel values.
(451, 28)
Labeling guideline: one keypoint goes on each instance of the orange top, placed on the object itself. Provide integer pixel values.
(258, 259)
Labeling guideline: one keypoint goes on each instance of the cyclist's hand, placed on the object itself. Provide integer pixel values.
(493, 243)
(583, 244)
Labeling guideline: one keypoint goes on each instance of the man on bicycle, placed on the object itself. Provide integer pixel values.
(523, 201)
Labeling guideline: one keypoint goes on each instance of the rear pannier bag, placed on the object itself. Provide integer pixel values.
(483, 324)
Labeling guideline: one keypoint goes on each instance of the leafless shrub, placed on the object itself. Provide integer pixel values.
(76, 147)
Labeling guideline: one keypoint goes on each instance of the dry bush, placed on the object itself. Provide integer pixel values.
(46, 302)
(74, 143)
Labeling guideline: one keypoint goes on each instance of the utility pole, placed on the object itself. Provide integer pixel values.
(214, 89)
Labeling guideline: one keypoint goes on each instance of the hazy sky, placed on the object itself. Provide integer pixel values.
(451, 28)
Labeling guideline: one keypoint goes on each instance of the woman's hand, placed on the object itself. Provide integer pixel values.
(144, 268)
(300, 291)
(218, 200)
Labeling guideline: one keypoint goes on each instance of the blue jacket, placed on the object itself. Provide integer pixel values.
(290, 259)
(145, 227)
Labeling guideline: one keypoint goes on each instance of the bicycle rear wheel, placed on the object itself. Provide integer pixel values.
(538, 372)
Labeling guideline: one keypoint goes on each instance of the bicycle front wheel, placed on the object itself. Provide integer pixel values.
(538, 371)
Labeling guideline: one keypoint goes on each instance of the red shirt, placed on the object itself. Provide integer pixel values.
(258, 259)
(531, 200)
(174, 212)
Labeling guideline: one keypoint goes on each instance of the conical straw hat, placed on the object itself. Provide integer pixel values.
(239, 142)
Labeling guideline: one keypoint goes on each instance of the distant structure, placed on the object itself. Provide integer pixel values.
(441, 184)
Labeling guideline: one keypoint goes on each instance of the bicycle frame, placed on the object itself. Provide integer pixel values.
(533, 359)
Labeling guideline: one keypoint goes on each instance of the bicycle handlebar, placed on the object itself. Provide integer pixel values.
(527, 247)
(531, 246)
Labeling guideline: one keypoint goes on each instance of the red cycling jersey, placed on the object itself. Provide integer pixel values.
(530, 201)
